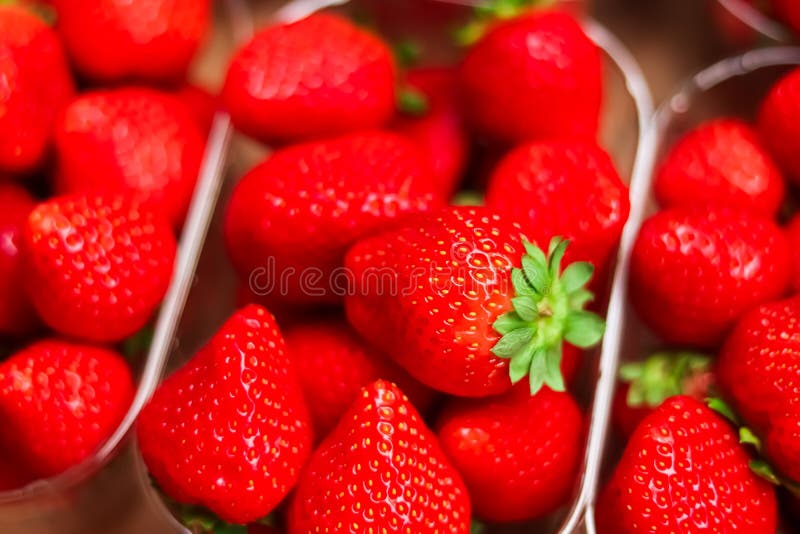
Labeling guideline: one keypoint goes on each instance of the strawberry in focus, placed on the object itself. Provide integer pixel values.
(720, 162)
(136, 141)
(96, 266)
(319, 76)
(518, 454)
(59, 401)
(36, 82)
(684, 470)
(695, 271)
(381, 467)
(779, 124)
(229, 430)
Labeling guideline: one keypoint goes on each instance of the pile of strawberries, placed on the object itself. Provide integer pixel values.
(715, 278)
(99, 154)
(415, 368)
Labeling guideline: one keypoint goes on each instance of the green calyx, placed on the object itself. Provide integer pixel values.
(662, 375)
(548, 309)
(412, 102)
(198, 520)
(488, 11)
(407, 53)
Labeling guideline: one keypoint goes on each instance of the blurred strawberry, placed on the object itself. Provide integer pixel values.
(779, 124)
(733, 29)
(200, 101)
(788, 11)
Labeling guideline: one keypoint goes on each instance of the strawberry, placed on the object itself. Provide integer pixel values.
(59, 401)
(229, 430)
(17, 316)
(36, 82)
(333, 364)
(96, 266)
(149, 40)
(731, 27)
(13, 474)
(720, 162)
(647, 384)
(684, 470)
(789, 12)
(138, 141)
(380, 467)
(695, 271)
(779, 123)
(782, 443)
(533, 77)
(200, 101)
(438, 293)
(519, 454)
(319, 76)
(299, 210)
(567, 188)
(438, 131)
(792, 231)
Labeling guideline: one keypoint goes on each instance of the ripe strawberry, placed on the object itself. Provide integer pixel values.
(720, 162)
(779, 124)
(519, 454)
(793, 236)
(533, 77)
(137, 141)
(438, 293)
(684, 470)
(150, 40)
(300, 209)
(17, 316)
(782, 443)
(380, 467)
(59, 401)
(316, 77)
(788, 11)
(96, 266)
(13, 474)
(695, 271)
(646, 385)
(201, 102)
(566, 188)
(333, 364)
(35, 83)
(438, 132)
(229, 430)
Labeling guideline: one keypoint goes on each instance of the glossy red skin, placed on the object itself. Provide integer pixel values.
(788, 11)
(779, 124)
(17, 316)
(142, 40)
(695, 271)
(229, 430)
(333, 364)
(60, 401)
(514, 91)
(136, 141)
(439, 133)
(720, 162)
(96, 266)
(317, 77)
(518, 454)
(380, 467)
(201, 102)
(792, 231)
(684, 470)
(36, 83)
(782, 444)
(563, 188)
(306, 204)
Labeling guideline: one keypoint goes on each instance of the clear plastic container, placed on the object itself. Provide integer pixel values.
(746, 14)
(731, 87)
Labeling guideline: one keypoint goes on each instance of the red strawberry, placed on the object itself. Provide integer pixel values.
(789, 12)
(96, 266)
(519, 454)
(566, 188)
(16, 313)
(35, 83)
(152, 40)
(201, 102)
(782, 443)
(535, 76)
(720, 162)
(333, 364)
(779, 124)
(437, 294)
(438, 132)
(317, 77)
(13, 474)
(694, 271)
(380, 467)
(793, 236)
(229, 430)
(684, 470)
(299, 210)
(645, 385)
(138, 141)
(735, 31)
(60, 401)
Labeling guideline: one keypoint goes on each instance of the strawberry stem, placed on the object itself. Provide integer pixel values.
(548, 309)
(487, 12)
(412, 102)
(663, 375)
